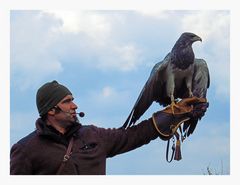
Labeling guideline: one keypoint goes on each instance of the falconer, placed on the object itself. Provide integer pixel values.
(60, 144)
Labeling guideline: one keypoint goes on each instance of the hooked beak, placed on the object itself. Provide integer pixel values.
(197, 38)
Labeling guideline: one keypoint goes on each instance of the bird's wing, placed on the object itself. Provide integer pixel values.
(201, 78)
(201, 82)
(150, 92)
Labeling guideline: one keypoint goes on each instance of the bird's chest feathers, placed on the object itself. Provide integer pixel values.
(183, 58)
(179, 75)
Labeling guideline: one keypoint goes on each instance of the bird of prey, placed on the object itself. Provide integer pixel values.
(179, 75)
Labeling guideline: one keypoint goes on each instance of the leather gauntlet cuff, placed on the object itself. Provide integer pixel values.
(167, 121)
(166, 124)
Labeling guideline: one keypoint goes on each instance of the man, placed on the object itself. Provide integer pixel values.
(61, 145)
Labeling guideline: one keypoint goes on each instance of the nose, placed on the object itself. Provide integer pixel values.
(74, 106)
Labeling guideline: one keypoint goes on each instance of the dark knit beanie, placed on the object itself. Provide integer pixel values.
(49, 95)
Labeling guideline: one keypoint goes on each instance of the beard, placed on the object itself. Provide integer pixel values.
(68, 121)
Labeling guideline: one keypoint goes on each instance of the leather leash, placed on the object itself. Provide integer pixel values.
(66, 156)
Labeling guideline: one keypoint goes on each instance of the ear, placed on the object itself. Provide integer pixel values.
(52, 111)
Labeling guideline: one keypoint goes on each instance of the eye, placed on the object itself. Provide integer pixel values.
(69, 100)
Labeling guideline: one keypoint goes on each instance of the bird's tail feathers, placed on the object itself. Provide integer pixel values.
(128, 122)
(189, 126)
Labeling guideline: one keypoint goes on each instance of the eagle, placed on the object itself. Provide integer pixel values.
(179, 75)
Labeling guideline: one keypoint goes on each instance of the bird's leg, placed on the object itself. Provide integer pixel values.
(174, 105)
(190, 92)
(189, 86)
(170, 87)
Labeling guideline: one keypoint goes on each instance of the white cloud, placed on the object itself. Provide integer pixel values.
(154, 13)
(32, 41)
(98, 31)
(105, 106)
(214, 28)
(94, 25)
(122, 57)
(100, 36)
(128, 53)
(109, 97)
(41, 39)
(107, 92)
(208, 24)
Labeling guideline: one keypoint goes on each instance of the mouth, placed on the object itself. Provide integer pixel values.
(74, 114)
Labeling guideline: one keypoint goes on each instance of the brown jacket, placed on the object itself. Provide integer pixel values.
(41, 152)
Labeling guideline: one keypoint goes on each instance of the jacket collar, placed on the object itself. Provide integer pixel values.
(48, 131)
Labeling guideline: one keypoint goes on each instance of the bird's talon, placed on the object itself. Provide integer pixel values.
(180, 109)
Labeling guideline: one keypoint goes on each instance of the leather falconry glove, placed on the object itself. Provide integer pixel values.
(167, 123)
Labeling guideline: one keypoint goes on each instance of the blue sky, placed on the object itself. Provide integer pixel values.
(105, 58)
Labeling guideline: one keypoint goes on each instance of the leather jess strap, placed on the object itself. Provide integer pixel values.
(66, 156)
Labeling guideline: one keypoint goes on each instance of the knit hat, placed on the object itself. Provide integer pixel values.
(49, 95)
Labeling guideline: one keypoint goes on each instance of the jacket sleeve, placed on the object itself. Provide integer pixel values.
(19, 161)
(122, 140)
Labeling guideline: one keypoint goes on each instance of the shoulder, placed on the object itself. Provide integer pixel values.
(20, 150)
(26, 141)
(95, 131)
(88, 129)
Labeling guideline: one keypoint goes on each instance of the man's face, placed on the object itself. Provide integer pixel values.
(66, 115)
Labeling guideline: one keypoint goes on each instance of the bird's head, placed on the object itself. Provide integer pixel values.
(186, 40)
(190, 37)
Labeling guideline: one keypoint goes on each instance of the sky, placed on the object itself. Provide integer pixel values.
(105, 57)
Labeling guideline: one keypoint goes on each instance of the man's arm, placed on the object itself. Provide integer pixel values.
(123, 140)
(19, 162)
